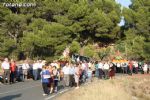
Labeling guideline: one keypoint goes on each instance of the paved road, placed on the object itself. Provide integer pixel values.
(29, 90)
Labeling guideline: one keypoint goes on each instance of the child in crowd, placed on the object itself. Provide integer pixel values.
(45, 75)
(89, 74)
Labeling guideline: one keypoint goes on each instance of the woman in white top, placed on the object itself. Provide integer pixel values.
(77, 75)
(145, 67)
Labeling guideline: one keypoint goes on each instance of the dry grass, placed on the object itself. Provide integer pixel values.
(124, 88)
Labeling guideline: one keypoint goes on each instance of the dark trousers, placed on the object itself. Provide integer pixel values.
(105, 73)
(100, 73)
(6, 75)
(12, 76)
(130, 71)
(38, 73)
(125, 70)
(55, 85)
(71, 78)
(136, 70)
(45, 88)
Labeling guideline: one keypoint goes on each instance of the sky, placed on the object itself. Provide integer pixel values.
(124, 3)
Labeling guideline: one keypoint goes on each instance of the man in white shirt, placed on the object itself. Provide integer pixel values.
(6, 69)
(25, 67)
(135, 63)
(100, 69)
(35, 69)
(40, 65)
(106, 70)
(65, 71)
(145, 68)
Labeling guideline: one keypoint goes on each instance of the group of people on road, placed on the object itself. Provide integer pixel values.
(12, 72)
(105, 69)
(69, 73)
(8, 70)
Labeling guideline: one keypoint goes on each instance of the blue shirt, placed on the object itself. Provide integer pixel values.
(45, 72)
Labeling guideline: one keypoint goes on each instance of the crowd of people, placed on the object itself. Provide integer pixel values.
(69, 73)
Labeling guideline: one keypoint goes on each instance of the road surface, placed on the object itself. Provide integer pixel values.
(29, 90)
(32, 90)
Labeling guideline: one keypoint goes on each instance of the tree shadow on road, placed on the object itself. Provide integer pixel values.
(10, 97)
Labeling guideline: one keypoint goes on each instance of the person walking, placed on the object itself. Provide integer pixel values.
(56, 76)
(106, 70)
(100, 67)
(136, 66)
(96, 69)
(71, 74)
(65, 71)
(125, 67)
(6, 69)
(35, 70)
(45, 75)
(145, 68)
(112, 71)
(25, 68)
(89, 74)
(77, 75)
(130, 67)
(13, 71)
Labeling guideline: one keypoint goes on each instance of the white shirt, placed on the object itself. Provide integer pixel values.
(136, 64)
(76, 71)
(83, 66)
(65, 70)
(25, 66)
(90, 64)
(106, 66)
(118, 65)
(100, 65)
(145, 67)
(40, 65)
(55, 64)
(71, 70)
(5, 65)
(35, 66)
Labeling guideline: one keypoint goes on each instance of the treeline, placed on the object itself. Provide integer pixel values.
(48, 28)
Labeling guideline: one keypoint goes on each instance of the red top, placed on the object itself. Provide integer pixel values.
(12, 66)
(130, 65)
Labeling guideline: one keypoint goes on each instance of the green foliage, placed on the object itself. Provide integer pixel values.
(89, 51)
(47, 29)
(75, 47)
(137, 29)
(103, 53)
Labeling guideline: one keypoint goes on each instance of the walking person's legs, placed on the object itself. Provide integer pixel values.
(12, 75)
(24, 74)
(8, 75)
(71, 80)
(45, 88)
(4, 76)
(35, 74)
(55, 85)
(67, 80)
